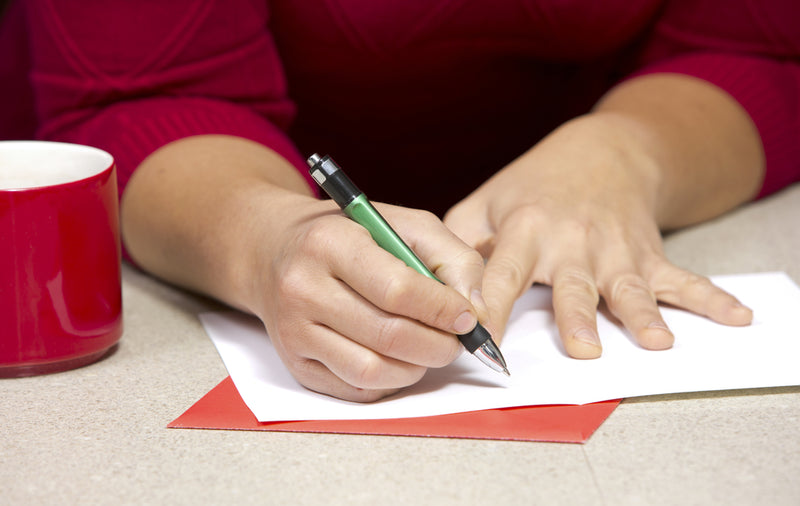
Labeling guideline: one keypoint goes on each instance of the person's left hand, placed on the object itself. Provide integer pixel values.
(577, 212)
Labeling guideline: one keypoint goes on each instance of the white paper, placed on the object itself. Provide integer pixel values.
(706, 356)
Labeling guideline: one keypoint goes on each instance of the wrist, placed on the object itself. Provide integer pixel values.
(193, 212)
(619, 163)
(270, 215)
(706, 149)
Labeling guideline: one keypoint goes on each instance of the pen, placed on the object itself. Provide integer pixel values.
(331, 178)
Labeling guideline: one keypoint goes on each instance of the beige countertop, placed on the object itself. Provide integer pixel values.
(97, 435)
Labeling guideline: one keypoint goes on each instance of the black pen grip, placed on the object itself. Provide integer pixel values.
(475, 338)
(334, 181)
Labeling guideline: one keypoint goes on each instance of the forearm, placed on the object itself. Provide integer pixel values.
(706, 153)
(187, 213)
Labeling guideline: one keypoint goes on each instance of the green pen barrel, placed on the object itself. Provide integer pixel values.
(362, 211)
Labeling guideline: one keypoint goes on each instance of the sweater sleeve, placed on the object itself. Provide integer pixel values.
(130, 76)
(751, 50)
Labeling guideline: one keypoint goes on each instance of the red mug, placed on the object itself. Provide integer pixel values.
(60, 288)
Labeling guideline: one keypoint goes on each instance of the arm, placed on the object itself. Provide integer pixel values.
(703, 153)
(188, 210)
(213, 199)
(581, 211)
(749, 51)
(229, 218)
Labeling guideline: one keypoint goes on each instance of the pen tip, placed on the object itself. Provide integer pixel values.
(505, 371)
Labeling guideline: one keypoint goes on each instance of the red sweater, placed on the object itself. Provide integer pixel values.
(449, 90)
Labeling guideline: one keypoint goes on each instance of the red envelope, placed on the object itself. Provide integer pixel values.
(223, 408)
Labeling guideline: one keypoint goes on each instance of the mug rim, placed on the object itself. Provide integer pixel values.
(107, 165)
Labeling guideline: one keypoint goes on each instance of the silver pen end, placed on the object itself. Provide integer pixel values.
(489, 354)
(313, 160)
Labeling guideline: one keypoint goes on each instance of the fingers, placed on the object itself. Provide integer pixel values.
(630, 298)
(698, 294)
(454, 262)
(631, 280)
(575, 299)
(359, 367)
(388, 335)
(454, 306)
(387, 283)
(315, 376)
(355, 322)
(633, 297)
(354, 350)
(508, 273)
(576, 294)
(351, 349)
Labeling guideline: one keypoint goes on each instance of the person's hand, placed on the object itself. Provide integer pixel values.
(577, 212)
(350, 320)
(232, 219)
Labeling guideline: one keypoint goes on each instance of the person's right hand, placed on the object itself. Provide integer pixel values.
(229, 218)
(347, 318)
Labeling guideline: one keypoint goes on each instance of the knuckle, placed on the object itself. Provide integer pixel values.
(293, 301)
(684, 286)
(388, 337)
(697, 282)
(306, 372)
(471, 258)
(459, 210)
(576, 317)
(576, 284)
(686, 279)
(290, 283)
(526, 215)
(368, 372)
(440, 314)
(424, 218)
(301, 368)
(625, 287)
(394, 291)
(445, 349)
(508, 272)
(316, 237)
(576, 228)
(365, 395)
(292, 343)
(465, 258)
(449, 353)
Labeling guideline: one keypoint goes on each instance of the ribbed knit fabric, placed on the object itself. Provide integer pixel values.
(140, 127)
(445, 90)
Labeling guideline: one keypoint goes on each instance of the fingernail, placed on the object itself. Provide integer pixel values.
(465, 322)
(661, 340)
(743, 312)
(739, 306)
(477, 297)
(587, 336)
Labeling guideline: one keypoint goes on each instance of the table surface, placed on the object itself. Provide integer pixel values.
(97, 435)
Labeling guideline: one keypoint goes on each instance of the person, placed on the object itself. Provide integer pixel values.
(510, 143)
